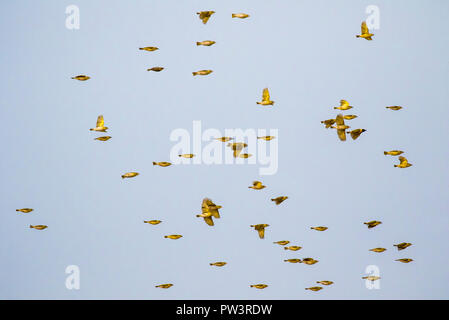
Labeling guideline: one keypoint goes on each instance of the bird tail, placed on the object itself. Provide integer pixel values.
(140, 48)
(194, 73)
(165, 236)
(385, 152)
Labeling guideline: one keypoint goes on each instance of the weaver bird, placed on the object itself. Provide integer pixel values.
(81, 77)
(244, 155)
(260, 228)
(266, 138)
(314, 288)
(325, 282)
(402, 245)
(208, 206)
(403, 163)
(164, 286)
(349, 117)
(237, 147)
(266, 98)
(240, 15)
(186, 155)
(173, 236)
(377, 250)
(156, 69)
(293, 260)
(206, 43)
(224, 139)
(356, 133)
(293, 248)
(395, 108)
(259, 286)
(257, 185)
(25, 210)
(218, 264)
(404, 260)
(328, 123)
(38, 227)
(100, 125)
(309, 261)
(372, 224)
(344, 105)
(371, 278)
(105, 138)
(393, 152)
(365, 32)
(202, 72)
(205, 15)
(282, 242)
(149, 48)
(162, 164)
(319, 228)
(279, 200)
(153, 222)
(340, 126)
(130, 175)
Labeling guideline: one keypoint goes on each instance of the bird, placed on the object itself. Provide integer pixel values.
(293, 260)
(237, 147)
(224, 139)
(260, 228)
(207, 216)
(149, 48)
(164, 286)
(378, 250)
(266, 138)
(205, 15)
(309, 261)
(371, 278)
(162, 164)
(266, 98)
(257, 185)
(153, 222)
(340, 126)
(325, 282)
(186, 155)
(402, 245)
(404, 260)
(328, 123)
(395, 108)
(173, 236)
(206, 43)
(372, 224)
(356, 133)
(319, 228)
(245, 155)
(349, 116)
(344, 105)
(39, 227)
(218, 264)
(393, 152)
(314, 288)
(25, 210)
(240, 15)
(293, 248)
(81, 77)
(105, 138)
(282, 242)
(365, 32)
(259, 286)
(208, 206)
(156, 69)
(279, 200)
(403, 163)
(99, 127)
(130, 175)
(202, 72)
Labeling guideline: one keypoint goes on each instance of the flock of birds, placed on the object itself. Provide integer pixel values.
(210, 211)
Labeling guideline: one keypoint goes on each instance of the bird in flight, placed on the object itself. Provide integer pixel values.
(206, 43)
(344, 105)
(100, 125)
(257, 185)
(260, 228)
(403, 163)
(205, 15)
(341, 127)
(240, 15)
(365, 32)
(356, 133)
(81, 77)
(265, 98)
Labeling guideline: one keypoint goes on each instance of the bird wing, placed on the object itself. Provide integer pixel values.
(340, 120)
(265, 95)
(364, 28)
(341, 134)
(209, 221)
(261, 233)
(100, 121)
(402, 160)
(256, 183)
(344, 103)
(355, 134)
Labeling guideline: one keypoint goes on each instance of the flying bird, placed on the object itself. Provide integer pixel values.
(356, 133)
(395, 108)
(404, 260)
(205, 15)
(202, 72)
(341, 127)
(206, 43)
(365, 32)
(186, 155)
(153, 222)
(371, 278)
(293, 260)
(393, 152)
(156, 69)
(378, 250)
(372, 224)
(164, 286)
(403, 163)
(149, 49)
(105, 138)
(325, 282)
(402, 245)
(293, 248)
(224, 139)
(81, 77)
(260, 228)
(257, 185)
(162, 164)
(344, 105)
(314, 288)
(266, 138)
(130, 175)
(279, 200)
(173, 236)
(266, 98)
(38, 227)
(218, 264)
(328, 123)
(240, 15)
(319, 228)
(282, 242)
(349, 117)
(259, 286)
(100, 125)
(25, 210)
(309, 261)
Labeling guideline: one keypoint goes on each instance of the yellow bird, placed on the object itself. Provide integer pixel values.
(402, 245)
(205, 15)
(105, 138)
(245, 155)
(202, 72)
(365, 32)
(25, 210)
(266, 138)
(81, 77)
(266, 98)
(403, 163)
(328, 123)
(149, 48)
(344, 105)
(319, 228)
(372, 224)
(237, 147)
(208, 206)
(309, 261)
(156, 69)
(218, 264)
(187, 155)
(395, 108)
(356, 133)
(404, 260)
(39, 227)
(393, 152)
(325, 282)
(240, 15)
(162, 164)
(314, 288)
(173, 236)
(377, 250)
(293, 260)
(100, 125)
(371, 278)
(282, 242)
(293, 248)
(279, 200)
(260, 228)
(349, 117)
(206, 43)
(130, 175)
(259, 286)
(164, 286)
(153, 222)
(257, 185)
(340, 126)
(224, 139)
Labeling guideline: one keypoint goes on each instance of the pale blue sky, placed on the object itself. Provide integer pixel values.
(307, 54)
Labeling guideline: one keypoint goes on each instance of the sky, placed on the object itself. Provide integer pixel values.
(307, 54)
